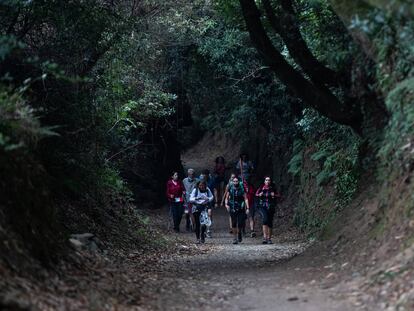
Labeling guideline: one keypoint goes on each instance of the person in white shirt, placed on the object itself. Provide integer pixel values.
(190, 183)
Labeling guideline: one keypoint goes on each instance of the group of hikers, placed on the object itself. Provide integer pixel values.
(198, 197)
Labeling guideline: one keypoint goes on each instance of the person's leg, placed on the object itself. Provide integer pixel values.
(241, 223)
(180, 212)
(217, 197)
(210, 214)
(233, 217)
(187, 217)
(196, 216)
(231, 226)
(270, 225)
(251, 220)
(188, 222)
(203, 233)
(221, 187)
(265, 224)
(192, 221)
(170, 216)
(174, 211)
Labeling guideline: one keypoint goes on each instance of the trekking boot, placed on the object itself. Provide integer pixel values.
(231, 231)
(269, 241)
(209, 234)
(198, 241)
(235, 241)
(264, 241)
(253, 234)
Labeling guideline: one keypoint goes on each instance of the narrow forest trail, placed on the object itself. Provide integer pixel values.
(249, 276)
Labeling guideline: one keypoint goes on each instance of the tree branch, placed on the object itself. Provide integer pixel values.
(286, 25)
(315, 96)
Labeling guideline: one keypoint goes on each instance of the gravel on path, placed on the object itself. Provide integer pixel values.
(249, 276)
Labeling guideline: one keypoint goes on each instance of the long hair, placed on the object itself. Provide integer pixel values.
(272, 185)
(201, 182)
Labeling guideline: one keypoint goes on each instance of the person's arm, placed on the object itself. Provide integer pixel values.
(246, 201)
(210, 195)
(224, 195)
(192, 196)
(259, 192)
(168, 191)
(227, 201)
(183, 191)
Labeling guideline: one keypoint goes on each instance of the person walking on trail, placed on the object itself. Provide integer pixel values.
(267, 196)
(201, 198)
(209, 179)
(219, 179)
(190, 183)
(175, 195)
(244, 167)
(251, 192)
(238, 206)
(226, 190)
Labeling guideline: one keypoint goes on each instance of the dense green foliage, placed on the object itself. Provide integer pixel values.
(326, 163)
(87, 104)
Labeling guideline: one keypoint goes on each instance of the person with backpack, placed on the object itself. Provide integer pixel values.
(238, 206)
(226, 190)
(267, 196)
(175, 195)
(201, 198)
(190, 183)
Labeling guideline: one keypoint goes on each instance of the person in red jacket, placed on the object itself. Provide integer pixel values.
(175, 194)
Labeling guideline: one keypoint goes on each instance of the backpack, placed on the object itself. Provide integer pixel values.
(269, 203)
(236, 206)
(196, 193)
(196, 206)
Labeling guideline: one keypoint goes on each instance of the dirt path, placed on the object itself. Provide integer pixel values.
(248, 276)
